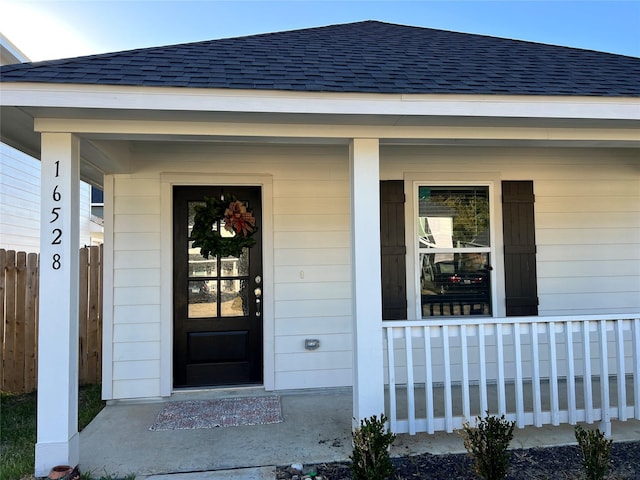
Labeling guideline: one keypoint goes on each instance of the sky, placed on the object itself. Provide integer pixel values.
(51, 29)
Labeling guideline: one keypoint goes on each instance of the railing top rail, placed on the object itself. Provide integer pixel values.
(438, 322)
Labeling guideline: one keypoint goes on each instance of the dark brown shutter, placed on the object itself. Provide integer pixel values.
(519, 248)
(393, 250)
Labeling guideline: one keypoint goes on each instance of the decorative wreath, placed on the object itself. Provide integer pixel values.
(233, 216)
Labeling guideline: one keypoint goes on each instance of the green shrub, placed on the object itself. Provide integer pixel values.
(487, 444)
(596, 452)
(371, 441)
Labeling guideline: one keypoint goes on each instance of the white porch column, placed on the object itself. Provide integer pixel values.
(368, 380)
(58, 323)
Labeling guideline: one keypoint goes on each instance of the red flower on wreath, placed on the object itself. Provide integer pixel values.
(238, 220)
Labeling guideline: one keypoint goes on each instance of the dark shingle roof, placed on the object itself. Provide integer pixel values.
(370, 57)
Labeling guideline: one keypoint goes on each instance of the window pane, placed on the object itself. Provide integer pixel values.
(234, 266)
(455, 284)
(453, 217)
(200, 266)
(234, 298)
(192, 213)
(202, 299)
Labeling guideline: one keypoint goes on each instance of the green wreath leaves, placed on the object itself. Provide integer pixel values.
(231, 215)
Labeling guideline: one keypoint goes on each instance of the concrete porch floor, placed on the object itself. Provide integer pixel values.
(316, 429)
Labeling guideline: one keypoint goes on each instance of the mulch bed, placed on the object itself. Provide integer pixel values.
(557, 463)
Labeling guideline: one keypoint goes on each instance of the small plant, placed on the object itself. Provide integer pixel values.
(596, 452)
(487, 445)
(371, 441)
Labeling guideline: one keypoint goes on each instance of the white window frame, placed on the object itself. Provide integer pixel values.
(412, 183)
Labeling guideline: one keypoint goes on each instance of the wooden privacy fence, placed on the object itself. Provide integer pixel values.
(19, 296)
(533, 370)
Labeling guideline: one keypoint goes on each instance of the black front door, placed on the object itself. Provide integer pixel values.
(217, 318)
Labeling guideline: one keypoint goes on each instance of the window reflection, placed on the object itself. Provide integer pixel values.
(234, 298)
(203, 298)
(453, 217)
(454, 250)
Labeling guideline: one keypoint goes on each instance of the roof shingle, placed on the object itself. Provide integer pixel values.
(367, 57)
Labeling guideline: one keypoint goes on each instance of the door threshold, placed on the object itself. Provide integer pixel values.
(190, 393)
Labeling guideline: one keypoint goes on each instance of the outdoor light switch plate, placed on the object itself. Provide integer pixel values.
(311, 343)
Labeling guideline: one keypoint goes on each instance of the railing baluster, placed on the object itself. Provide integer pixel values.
(621, 379)
(466, 406)
(484, 405)
(571, 373)
(535, 385)
(393, 414)
(553, 376)
(636, 368)
(428, 387)
(411, 404)
(586, 358)
(518, 386)
(605, 417)
(448, 408)
(502, 403)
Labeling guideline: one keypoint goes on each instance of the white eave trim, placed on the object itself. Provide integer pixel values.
(283, 102)
(131, 128)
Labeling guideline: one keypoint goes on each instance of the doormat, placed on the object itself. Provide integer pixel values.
(224, 412)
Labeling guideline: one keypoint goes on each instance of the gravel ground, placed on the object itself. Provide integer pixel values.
(557, 463)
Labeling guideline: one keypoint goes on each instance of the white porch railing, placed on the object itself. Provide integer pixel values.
(534, 370)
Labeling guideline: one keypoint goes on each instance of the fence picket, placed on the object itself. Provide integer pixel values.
(3, 264)
(94, 327)
(19, 294)
(9, 358)
(31, 323)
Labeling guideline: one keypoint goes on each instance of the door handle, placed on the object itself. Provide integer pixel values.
(258, 293)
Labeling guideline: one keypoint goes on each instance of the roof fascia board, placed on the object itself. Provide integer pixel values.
(130, 128)
(272, 101)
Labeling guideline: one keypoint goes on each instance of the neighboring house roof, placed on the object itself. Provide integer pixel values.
(364, 57)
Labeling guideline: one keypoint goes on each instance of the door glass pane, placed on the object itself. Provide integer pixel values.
(203, 298)
(200, 266)
(234, 298)
(453, 217)
(192, 213)
(234, 266)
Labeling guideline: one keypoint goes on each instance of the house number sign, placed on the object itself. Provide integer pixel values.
(56, 232)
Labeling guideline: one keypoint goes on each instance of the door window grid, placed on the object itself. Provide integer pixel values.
(218, 286)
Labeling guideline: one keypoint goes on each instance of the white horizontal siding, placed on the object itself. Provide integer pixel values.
(20, 203)
(136, 288)
(147, 387)
(19, 200)
(311, 254)
(131, 351)
(587, 218)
